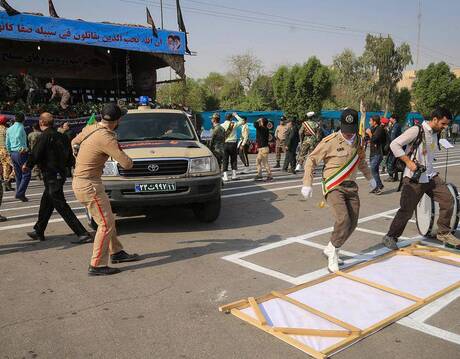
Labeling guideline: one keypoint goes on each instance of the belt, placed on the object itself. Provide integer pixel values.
(348, 184)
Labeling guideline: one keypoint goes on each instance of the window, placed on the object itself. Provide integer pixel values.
(155, 126)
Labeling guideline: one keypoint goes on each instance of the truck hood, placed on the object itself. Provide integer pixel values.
(162, 149)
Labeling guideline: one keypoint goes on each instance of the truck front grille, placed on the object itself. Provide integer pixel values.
(155, 168)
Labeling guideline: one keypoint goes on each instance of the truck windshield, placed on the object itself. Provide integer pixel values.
(154, 126)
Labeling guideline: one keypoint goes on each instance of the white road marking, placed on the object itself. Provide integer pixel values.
(30, 224)
(365, 230)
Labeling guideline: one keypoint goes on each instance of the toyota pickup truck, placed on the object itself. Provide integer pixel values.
(171, 166)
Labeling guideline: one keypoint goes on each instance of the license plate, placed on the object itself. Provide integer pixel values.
(155, 187)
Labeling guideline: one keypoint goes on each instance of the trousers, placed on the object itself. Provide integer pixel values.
(374, 163)
(53, 199)
(289, 160)
(22, 179)
(243, 152)
(412, 193)
(262, 161)
(5, 163)
(230, 153)
(344, 203)
(279, 149)
(92, 195)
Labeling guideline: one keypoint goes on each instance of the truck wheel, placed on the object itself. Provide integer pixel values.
(90, 220)
(207, 212)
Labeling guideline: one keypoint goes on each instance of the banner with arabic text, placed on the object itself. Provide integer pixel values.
(41, 28)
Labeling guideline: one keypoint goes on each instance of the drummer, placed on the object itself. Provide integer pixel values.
(420, 177)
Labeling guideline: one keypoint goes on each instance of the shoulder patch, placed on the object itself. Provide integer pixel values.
(330, 137)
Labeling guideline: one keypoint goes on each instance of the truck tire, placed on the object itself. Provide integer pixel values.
(90, 220)
(207, 212)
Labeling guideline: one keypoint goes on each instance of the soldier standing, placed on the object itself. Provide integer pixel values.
(217, 139)
(342, 155)
(280, 137)
(5, 159)
(309, 139)
(96, 144)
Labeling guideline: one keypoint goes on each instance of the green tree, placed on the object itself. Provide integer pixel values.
(190, 94)
(245, 68)
(232, 95)
(387, 63)
(279, 82)
(261, 96)
(312, 86)
(402, 103)
(352, 80)
(436, 86)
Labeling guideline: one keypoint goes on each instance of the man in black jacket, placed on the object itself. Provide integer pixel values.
(52, 154)
(263, 149)
(377, 138)
(292, 141)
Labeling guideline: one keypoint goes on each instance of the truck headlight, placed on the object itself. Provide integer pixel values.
(203, 164)
(110, 169)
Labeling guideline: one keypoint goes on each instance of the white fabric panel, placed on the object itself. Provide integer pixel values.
(414, 275)
(280, 313)
(352, 302)
(358, 304)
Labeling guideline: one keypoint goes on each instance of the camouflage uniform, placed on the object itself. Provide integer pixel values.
(31, 86)
(309, 140)
(217, 143)
(32, 138)
(13, 87)
(6, 170)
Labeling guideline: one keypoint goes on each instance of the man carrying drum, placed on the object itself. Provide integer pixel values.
(419, 177)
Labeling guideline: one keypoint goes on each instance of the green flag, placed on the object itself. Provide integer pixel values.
(91, 120)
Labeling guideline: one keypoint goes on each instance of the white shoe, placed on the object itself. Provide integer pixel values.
(332, 258)
(298, 167)
(225, 177)
(234, 176)
(329, 248)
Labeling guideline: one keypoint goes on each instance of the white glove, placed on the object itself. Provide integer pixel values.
(373, 183)
(307, 192)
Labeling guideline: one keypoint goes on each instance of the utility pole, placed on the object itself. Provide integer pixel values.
(419, 24)
(161, 10)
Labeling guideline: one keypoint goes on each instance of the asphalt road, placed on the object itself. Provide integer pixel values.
(166, 306)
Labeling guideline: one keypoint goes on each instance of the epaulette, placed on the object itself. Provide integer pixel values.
(330, 137)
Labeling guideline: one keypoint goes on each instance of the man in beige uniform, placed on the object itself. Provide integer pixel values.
(96, 144)
(280, 137)
(342, 155)
(59, 92)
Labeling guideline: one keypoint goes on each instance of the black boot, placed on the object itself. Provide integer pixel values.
(7, 186)
(36, 236)
(94, 271)
(122, 256)
(277, 164)
(83, 239)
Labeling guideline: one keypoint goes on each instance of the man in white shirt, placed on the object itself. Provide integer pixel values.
(429, 182)
(230, 146)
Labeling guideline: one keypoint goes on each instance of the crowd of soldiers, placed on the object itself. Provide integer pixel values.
(289, 134)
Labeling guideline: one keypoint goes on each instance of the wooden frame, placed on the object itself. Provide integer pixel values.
(350, 333)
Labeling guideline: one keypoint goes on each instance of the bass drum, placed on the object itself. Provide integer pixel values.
(427, 214)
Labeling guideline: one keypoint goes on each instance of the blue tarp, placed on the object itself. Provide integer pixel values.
(41, 28)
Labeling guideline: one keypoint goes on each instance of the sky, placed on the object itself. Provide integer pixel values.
(281, 32)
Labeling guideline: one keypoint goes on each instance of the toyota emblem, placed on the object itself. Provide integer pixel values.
(153, 167)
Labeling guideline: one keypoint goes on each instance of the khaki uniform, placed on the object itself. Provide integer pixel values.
(89, 190)
(335, 151)
(6, 169)
(280, 136)
(58, 91)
